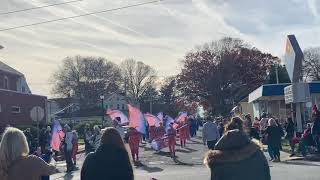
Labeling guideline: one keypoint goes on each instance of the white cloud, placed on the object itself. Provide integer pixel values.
(157, 34)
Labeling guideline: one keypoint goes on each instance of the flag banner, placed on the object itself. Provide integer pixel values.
(160, 116)
(136, 119)
(57, 135)
(159, 143)
(152, 120)
(181, 117)
(116, 113)
(168, 120)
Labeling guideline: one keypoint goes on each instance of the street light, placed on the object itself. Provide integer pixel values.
(102, 107)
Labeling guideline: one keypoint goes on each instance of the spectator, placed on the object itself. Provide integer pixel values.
(15, 163)
(315, 130)
(110, 161)
(221, 129)
(29, 137)
(87, 139)
(47, 156)
(95, 139)
(256, 124)
(290, 134)
(236, 123)
(210, 134)
(67, 142)
(248, 121)
(75, 147)
(42, 140)
(263, 121)
(236, 157)
(274, 139)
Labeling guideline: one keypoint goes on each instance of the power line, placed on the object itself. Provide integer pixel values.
(81, 15)
(38, 7)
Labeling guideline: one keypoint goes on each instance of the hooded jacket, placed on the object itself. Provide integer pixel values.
(236, 157)
(107, 163)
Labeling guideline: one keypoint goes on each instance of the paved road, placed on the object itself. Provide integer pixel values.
(189, 166)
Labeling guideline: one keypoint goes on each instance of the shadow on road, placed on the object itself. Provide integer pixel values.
(178, 162)
(194, 142)
(150, 169)
(301, 163)
(68, 176)
(186, 150)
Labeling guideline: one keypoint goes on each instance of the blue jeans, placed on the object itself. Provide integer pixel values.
(270, 151)
(317, 141)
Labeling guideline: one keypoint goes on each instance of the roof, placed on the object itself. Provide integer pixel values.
(4, 67)
(268, 90)
(274, 90)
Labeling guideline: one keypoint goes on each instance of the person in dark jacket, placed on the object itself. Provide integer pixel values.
(237, 157)
(110, 161)
(274, 133)
(290, 134)
(315, 131)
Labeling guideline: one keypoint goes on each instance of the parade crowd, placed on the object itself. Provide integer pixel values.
(234, 143)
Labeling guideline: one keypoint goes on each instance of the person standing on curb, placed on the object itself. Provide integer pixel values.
(210, 134)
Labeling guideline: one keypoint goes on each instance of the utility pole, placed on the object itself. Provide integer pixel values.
(277, 74)
(151, 101)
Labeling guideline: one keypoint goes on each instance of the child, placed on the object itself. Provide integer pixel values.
(47, 158)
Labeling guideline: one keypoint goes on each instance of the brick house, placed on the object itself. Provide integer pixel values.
(16, 99)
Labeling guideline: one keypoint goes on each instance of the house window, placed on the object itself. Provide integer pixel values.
(15, 109)
(122, 106)
(0, 108)
(118, 106)
(23, 89)
(107, 106)
(6, 83)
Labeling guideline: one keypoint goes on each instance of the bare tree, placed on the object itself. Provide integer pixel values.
(138, 78)
(311, 63)
(86, 78)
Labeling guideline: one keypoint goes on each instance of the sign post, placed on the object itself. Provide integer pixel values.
(37, 115)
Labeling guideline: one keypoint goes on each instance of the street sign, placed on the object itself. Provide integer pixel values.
(297, 93)
(293, 59)
(37, 113)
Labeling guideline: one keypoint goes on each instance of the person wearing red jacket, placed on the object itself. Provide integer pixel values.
(171, 133)
(183, 134)
(134, 140)
(152, 133)
(161, 131)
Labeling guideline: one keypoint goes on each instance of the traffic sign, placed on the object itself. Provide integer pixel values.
(37, 113)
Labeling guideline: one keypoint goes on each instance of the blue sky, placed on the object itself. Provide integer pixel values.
(158, 34)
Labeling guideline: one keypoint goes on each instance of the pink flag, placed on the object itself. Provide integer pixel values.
(116, 113)
(181, 117)
(136, 119)
(152, 120)
(160, 116)
(57, 135)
